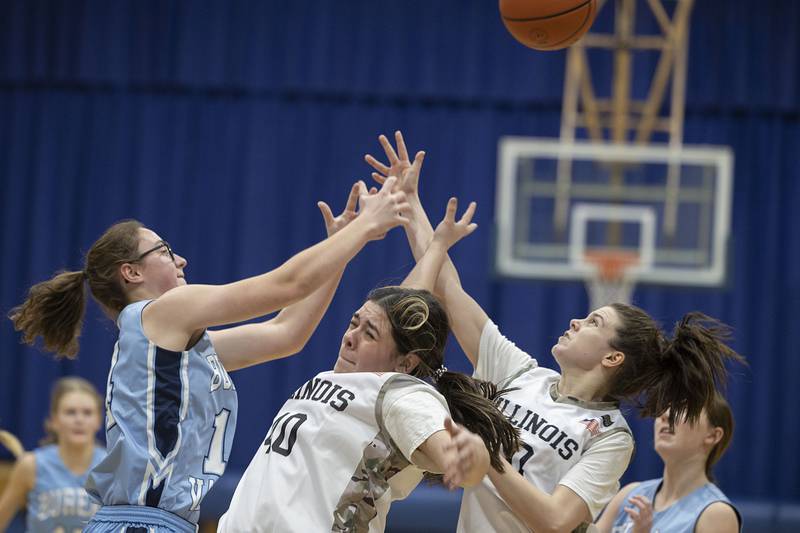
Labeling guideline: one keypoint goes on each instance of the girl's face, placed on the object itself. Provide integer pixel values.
(367, 345)
(76, 419)
(684, 439)
(586, 342)
(157, 270)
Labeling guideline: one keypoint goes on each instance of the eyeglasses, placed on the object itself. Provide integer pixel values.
(162, 244)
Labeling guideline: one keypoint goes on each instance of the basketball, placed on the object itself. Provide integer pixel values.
(548, 24)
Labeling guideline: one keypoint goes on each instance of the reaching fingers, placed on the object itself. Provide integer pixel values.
(633, 513)
(450, 213)
(373, 190)
(387, 147)
(389, 184)
(327, 214)
(380, 178)
(352, 199)
(401, 146)
(418, 160)
(377, 165)
(466, 218)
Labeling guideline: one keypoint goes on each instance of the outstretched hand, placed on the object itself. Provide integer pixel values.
(449, 232)
(334, 224)
(382, 210)
(641, 513)
(400, 165)
(467, 454)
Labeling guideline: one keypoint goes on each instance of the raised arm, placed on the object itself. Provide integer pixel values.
(172, 319)
(289, 331)
(447, 233)
(466, 316)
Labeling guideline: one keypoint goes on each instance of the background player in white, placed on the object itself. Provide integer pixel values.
(349, 442)
(576, 444)
(49, 480)
(170, 405)
(684, 499)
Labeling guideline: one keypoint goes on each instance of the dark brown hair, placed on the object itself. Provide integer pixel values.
(679, 374)
(61, 388)
(54, 308)
(420, 326)
(720, 416)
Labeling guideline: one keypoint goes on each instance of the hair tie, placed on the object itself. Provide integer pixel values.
(437, 374)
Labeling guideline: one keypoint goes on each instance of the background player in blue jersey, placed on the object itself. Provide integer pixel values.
(49, 481)
(576, 443)
(170, 405)
(684, 499)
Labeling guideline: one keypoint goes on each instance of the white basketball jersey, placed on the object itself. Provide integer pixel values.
(556, 431)
(327, 463)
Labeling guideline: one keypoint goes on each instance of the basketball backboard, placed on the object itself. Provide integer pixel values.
(558, 203)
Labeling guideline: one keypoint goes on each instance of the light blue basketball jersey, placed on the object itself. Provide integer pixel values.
(58, 501)
(680, 517)
(170, 419)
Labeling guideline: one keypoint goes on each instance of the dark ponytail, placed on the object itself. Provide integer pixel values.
(54, 309)
(420, 326)
(680, 374)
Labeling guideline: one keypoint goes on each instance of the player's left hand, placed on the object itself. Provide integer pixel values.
(400, 165)
(641, 514)
(469, 459)
(334, 224)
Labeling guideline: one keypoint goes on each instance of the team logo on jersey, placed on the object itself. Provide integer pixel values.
(592, 426)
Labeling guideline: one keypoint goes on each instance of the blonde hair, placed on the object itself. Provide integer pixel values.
(61, 388)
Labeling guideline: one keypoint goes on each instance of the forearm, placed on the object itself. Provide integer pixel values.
(426, 271)
(540, 511)
(301, 319)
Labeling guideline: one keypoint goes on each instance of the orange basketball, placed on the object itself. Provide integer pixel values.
(548, 24)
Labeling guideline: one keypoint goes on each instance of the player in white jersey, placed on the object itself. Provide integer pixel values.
(49, 481)
(684, 499)
(576, 444)
(349, 442)
(171, 408)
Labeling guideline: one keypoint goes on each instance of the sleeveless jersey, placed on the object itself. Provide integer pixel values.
(680, 517)
(556, 431)
(58, 501)
(327, 462)
(170, 419)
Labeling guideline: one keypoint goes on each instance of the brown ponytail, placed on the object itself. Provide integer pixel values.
(420, 326)
(720, 416)
(680, 374)
(54, 309)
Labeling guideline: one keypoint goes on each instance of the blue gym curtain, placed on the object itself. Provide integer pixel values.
(220, 124)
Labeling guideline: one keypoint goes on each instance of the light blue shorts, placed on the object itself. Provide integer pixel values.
(137, 519)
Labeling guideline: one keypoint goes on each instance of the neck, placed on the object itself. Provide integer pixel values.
(680, 479)
(586, 386)
(76, 457)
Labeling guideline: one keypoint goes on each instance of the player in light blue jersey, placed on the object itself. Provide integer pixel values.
(684, 499)
(170, 405)
(49, 481)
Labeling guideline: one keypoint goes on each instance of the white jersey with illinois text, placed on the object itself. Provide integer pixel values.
(337, 454)
(585, 446)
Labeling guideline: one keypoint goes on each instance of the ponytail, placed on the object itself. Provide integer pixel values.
(679, 375)
(472, 404)
(420, 327)
(53, 311)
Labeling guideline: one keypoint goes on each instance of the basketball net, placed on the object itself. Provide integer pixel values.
(611, 280)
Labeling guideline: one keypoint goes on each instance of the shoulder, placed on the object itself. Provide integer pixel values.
(25, 470)
(719, 517)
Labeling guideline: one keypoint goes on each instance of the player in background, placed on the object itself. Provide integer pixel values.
(576, 443)
(349, 442)
(49, 481)
(685, 498)
(170, 405)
